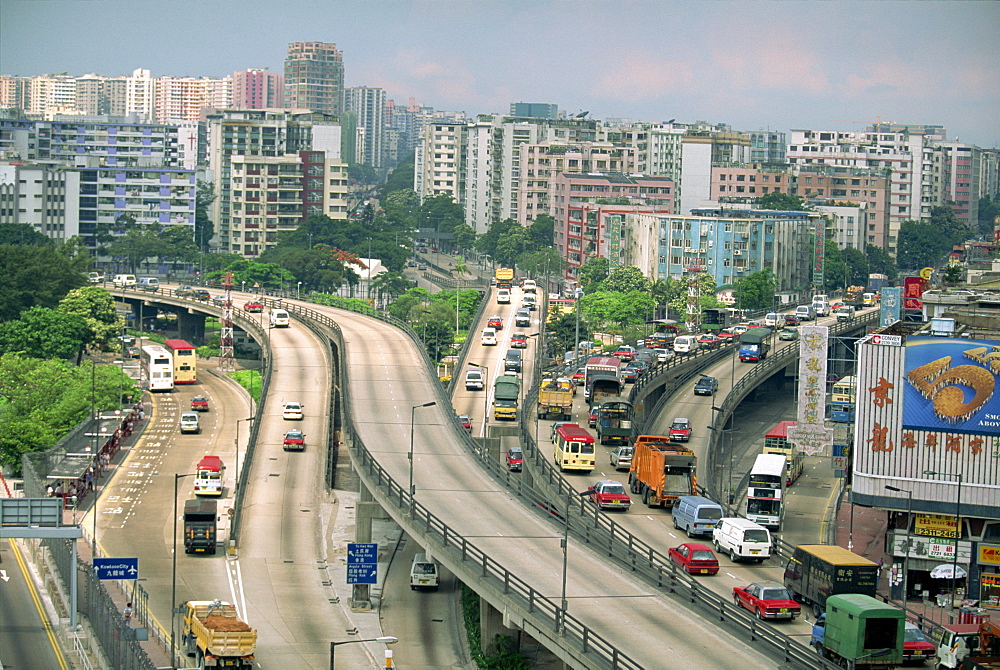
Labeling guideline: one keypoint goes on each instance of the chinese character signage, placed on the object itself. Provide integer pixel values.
(819, 253)
(809, 434)
(934, 525)
(951, 385)
(892, 301)
(913, 288)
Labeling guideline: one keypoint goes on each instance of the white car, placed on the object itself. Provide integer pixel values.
(292, 411)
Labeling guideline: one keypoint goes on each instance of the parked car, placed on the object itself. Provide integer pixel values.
(609, 494)
(292, 411)
(295, 440)
(515, 459)
(199, 403)
(695, 558)
(680, 430)
(621, 457)
(706, 386)
(788, 333)
(768, 600)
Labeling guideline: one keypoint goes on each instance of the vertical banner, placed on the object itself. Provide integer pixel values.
(809, 433)
(913, 288)
(819, 255)
(892, 302)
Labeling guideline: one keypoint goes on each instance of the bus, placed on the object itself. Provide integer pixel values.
(614, 421)
(157, 368)
(562, 305)
(776, 442)
(208, 476)
(574, 448)
(185, 361)
(868, 300)
(764, 492)
(842, 399)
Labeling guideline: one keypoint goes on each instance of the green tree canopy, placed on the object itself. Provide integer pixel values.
(22, 234)
(756, 291)
(97, 308)
(204, 229)
(39, 275)
(626, 280)
(177, 244)
(42, 332)
(593, 273)
(400, 178)
(782, 202)
(928, 243)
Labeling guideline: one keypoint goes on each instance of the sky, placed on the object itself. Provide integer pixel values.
(834, 65)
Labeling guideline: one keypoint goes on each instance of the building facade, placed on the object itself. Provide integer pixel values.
(368, 106)
(439, 161)
(314, 77)
(45, 197)
(258, 89)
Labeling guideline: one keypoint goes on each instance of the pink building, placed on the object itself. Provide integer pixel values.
(737, 183)
(258, 89)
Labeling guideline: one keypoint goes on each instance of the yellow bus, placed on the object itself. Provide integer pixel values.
(185, 361)
(574, 448)
(776, 442)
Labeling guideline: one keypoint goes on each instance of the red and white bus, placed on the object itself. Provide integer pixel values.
(185, 361)
(574, 448)
(208, 476)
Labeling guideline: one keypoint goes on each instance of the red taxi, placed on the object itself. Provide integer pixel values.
(768, 600)
(695, 558)
(609, 494)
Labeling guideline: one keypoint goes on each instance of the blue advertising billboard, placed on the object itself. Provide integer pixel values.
(951, 385)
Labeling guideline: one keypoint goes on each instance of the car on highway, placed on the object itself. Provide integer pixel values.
(663, 355)
(422, 267)
(199, 403)
(132, 352)
(518, 341)
(555, 427)
(189, 423)
(609, 494)
(788, 333)
(680, 430)
(630, 374)
(792, 320)
(624, 352)
(474, 380)
(710, 340)
(579, 376)
(592, 417)
(768, 600)
(184, 291)
(219, 299)
(522, 318)
(727, 335)
(96, 277)
(295, 440)
(694, 558)
(621, 457)
(706, 386)
(291, 411)
(254, 306)
(495, 321)
(515, 459)
(200, 294)
(465, 421)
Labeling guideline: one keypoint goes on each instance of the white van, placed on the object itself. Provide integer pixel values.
(685, 344)
(805, 312)
(424, 573)
(773, 319)
(503, 296)
(696, 515)
(279, 318)
(742, 539)
(529, 286)
(124, 280)
(148, 283)
(474, 380)
(489, 337)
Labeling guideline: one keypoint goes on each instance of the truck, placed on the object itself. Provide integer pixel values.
(754, 345)
(504, 277)
(600, 387)
(214, 634)
(852, 296)
(200, 518)
(555, 397)
(614, 421)
(662, 471)
(860, 632)
(506, 390)
(967, 646)
(877, 281)
(715, 319)
(817, 571)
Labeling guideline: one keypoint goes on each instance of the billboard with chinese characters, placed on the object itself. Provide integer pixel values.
(951, 385)
(809, 432)
(913, 289)
(892, 302)
(819, 253)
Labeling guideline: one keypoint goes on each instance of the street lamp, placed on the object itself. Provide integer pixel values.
(413, 411)
(173, 578)
(564, 605)
(298, 290)
(906, 545)
(958, 527)
(386, 639)
(486, 394)
(238, 422)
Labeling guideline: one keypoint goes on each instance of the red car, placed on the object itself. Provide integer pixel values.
(294, 440)
(579, 376)
(695, 558)
(253, 306)
(609, 494)
(592, 417)
(624, 352)
(710, 340)
(916, 648)
(726, 335)
(514, 459)
(680, 430)
(199, 403)
(768, 600)
(495, 322)
(465, 421)
(518, 341)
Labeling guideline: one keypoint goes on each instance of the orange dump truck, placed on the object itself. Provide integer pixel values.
(214, 634)
(662, 470)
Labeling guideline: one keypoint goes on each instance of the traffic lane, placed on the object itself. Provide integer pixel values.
(27, 638)
(467, 500)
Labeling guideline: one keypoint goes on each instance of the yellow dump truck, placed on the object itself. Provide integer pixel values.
(555, 399)
(214, 634)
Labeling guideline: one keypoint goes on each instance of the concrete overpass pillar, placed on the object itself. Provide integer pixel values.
(191, 327)
(492, 623)
(366, 510)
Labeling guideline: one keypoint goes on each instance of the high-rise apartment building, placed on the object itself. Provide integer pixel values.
(140, 95)
(13, 92)
(368, 106)
(52, 94)
(314, 77)
(538, 110)
(185, 98)
(258, 89)
(44, 196)
(961, 165)
(439, 161)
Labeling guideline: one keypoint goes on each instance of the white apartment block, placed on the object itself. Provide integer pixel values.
(140, 94)
(184, 98)
(52, 94)
(368, 106)
(846, 225)
(46, 197)
(439, 167)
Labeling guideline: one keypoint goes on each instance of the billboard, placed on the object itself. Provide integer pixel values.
(913, 288)
(950, 385)
(892, 300)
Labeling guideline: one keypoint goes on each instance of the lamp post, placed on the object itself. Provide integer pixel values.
(236, 485)
(958, 527)
(413, 411)
(173, 577)
(387, 639)
(563, 604)
(906, 545)
(486, 394)
(576, 342)
(298, 290)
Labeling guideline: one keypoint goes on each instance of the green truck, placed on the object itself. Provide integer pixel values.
(506, 390)
(860, 632)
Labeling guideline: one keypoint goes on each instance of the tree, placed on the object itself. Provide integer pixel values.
(204, 229)
(97, 308)
(511, 246)
(39, 275)
(541, 232)
(177, 244)
(756, 291)
(136, 245)
(362, 173)
(22, 234)
(707, 289)
(921, 244)
(402, 209)
(781, 201)
(856, 265)
(879, 261)
(988, 211)
(626, 280)
(593, 272)
(834, 268)
(458, 271)
(41, 332)
(440, 213)
(465, 236)
(433, 323)
(400, 178)
(543, 261)
(488, 241)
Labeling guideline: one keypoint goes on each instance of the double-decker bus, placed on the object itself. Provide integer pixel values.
(562, 305)
(765, 490)
(776, 442)
(842, 399)
(185, 361)
(574, 448)
(157, 367)
(208, 476)
(614, 420)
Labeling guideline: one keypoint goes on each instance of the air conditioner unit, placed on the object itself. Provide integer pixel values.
(738, 252)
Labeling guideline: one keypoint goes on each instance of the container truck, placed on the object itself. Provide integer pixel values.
(852, 296)
(876, 282)
(504, 277)
(200, 517)
(817, 571)
(555, 399)
(506, 390)
(860, 632)
(213, 633)
(601, 365)
(754, 345)
(662, 471)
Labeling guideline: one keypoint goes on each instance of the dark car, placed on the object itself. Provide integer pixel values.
(629, 374)
(132, 352)
(200, 294)
(706, 386)
(184, 291)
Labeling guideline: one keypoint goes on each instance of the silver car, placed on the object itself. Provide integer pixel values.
(621, 457)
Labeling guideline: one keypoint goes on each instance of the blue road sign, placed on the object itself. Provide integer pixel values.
(362, 573)
(362, 553)
(117, 568)
(840, 450)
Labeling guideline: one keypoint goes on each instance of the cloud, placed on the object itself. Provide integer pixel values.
(643, 76)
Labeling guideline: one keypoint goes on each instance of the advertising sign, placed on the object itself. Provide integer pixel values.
(913, 288)
(892, 303)
(951, 386)
(988, 554)
(819, 253)
(934, 525)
